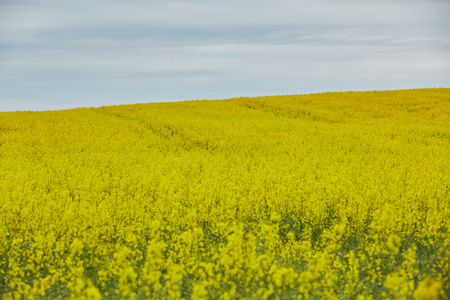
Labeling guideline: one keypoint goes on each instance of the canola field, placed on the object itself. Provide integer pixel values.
(322, 196)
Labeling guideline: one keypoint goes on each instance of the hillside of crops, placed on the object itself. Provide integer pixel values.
(323, 196)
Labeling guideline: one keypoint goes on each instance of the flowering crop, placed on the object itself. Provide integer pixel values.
(322, 196)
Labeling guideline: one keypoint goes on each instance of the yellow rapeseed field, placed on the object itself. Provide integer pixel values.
(321, 196)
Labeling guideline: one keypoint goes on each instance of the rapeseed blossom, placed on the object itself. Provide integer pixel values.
(325, 196)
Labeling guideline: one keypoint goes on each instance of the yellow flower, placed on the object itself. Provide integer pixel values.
(428, 289)
(76, 247)
(92, 293)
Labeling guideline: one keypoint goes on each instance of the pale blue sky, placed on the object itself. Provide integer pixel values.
(61, 54)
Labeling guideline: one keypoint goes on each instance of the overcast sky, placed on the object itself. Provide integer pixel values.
(63, 54)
